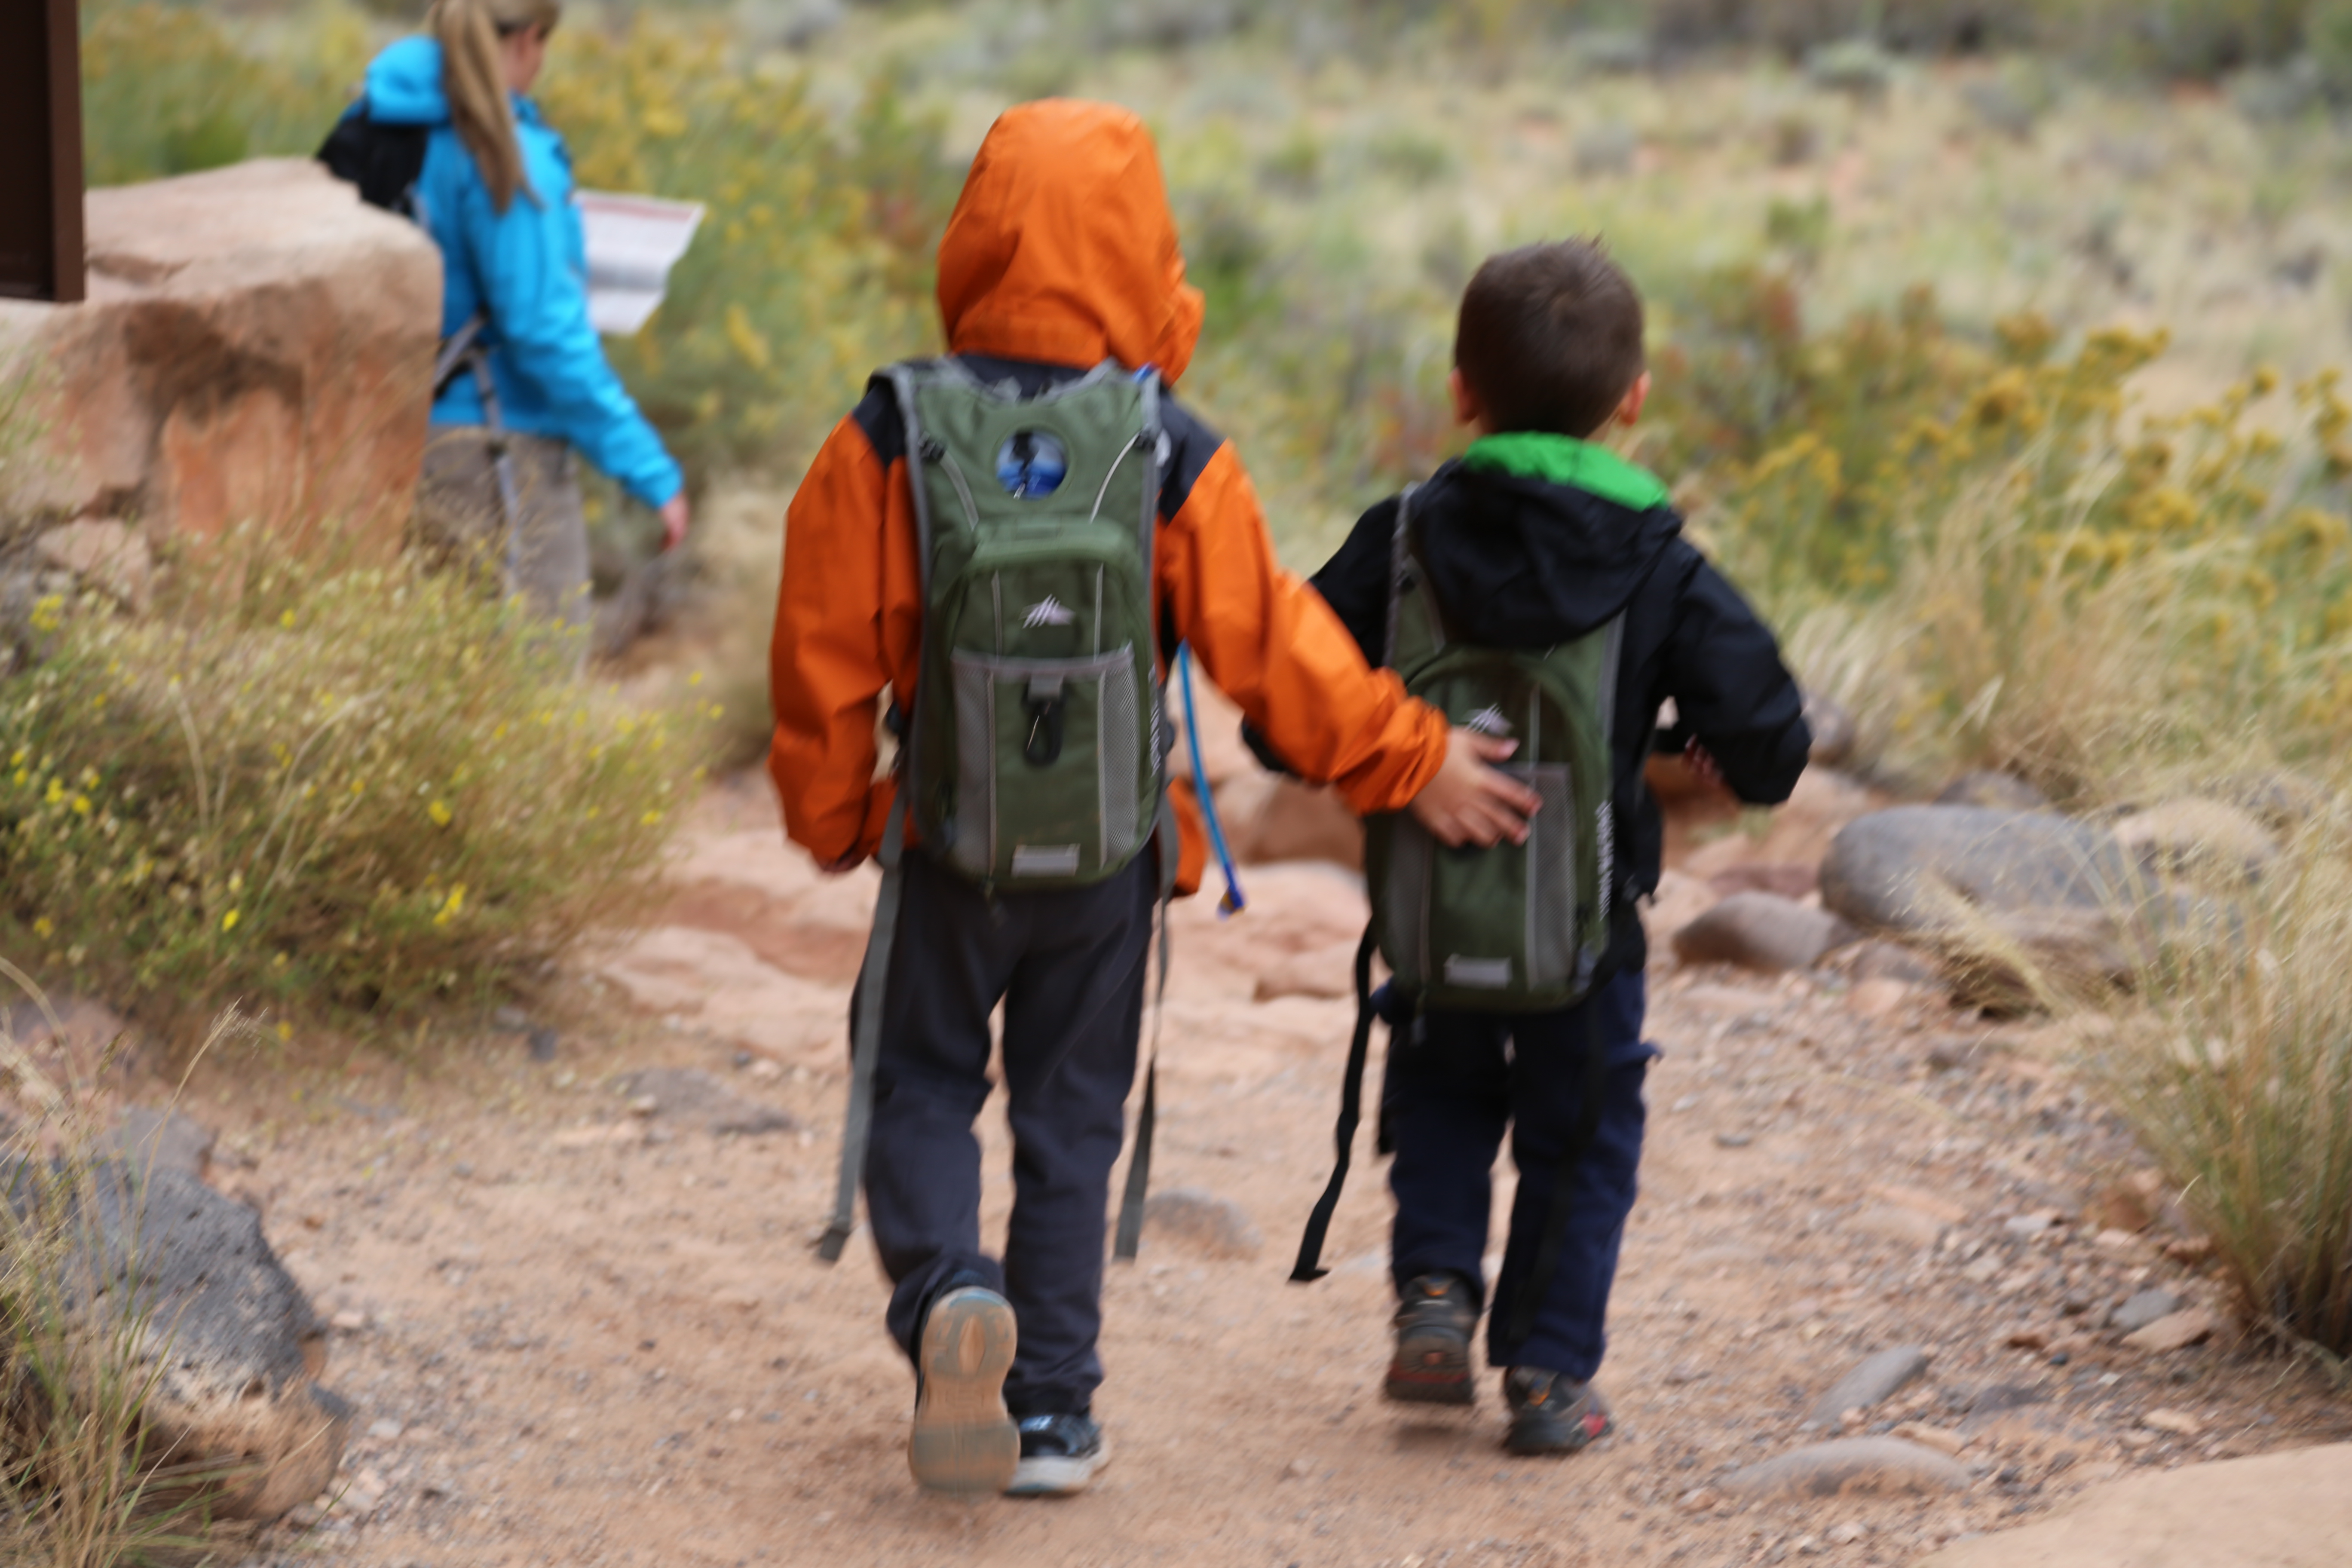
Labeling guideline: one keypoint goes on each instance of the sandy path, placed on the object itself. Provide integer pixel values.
(576, 1336)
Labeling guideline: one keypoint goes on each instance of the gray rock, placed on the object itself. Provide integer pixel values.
(1761, 930)
(1202, 1222)
(185, 1278)
(1896, 872)
(1850, 1466)
(689, 1095)
(2144, 1308)
(1994, 792)
(1875, 1379)
(161, 1140)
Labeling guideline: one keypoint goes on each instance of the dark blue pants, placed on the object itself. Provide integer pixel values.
(1454, 1080)
(1070, 968)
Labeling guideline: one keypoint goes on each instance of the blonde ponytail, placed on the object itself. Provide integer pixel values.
(474, 78)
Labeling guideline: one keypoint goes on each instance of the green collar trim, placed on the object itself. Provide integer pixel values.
(1563, 460)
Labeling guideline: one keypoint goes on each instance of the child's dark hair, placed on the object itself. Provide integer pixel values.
(1550, 337)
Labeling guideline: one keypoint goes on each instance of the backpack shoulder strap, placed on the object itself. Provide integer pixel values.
(907, 379)
(1400, 561)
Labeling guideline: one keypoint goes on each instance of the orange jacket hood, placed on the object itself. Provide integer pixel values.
(1062, 248)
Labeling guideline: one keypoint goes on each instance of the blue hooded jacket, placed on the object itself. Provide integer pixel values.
(527, 270)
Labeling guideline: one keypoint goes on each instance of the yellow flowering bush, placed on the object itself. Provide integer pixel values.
(366, 789)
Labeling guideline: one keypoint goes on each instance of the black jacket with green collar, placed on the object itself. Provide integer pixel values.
(1529, 541)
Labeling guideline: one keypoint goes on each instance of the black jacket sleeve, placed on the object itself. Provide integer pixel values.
(1723, 668)
(1355, 583)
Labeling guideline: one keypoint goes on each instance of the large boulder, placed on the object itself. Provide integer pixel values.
(159, 1261)
(2012, 901)
(257, 347)
(1899, 872)
(2290, 1510)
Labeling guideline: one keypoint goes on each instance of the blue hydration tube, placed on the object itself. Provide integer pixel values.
(1232, 903)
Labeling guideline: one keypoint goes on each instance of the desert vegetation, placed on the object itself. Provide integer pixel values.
(1997, 349)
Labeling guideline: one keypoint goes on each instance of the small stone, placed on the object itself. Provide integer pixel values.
(384, 1431)
(2028, 1226)
(1698, 1500)
(1734, 1140)
(1852, 1466)
(513, 1020)
(349, 1322)
(1998, 1396)
(2144, 1308)
(1881, 999)
(599, 1137)
(1761, 930)
(1934, 1437)
(2178, 1422)
(1688, 1372)
(543, 1041)
(1202, 1222)
(1874, 1379)
(1941, 1208)
(2027, 1339)
(1298, 1469)
(1953, 1055)
(645, 1105)
(1905, 1227)
(2178, 1331)
(2190, 1250)
(764, 1070)
(1846, 1535)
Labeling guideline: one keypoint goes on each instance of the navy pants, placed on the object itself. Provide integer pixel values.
(1070, 968)
(1454, 1080)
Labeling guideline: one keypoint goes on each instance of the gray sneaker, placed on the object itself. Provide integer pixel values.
(1551, 1414)
(1433, 1324)
(963, 1439)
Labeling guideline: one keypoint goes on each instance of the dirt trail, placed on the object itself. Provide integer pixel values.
(578, 1334)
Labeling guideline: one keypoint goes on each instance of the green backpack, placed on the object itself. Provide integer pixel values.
(1515, 928)
(1510, 929)
(1033, 756)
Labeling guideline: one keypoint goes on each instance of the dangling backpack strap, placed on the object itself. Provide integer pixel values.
(1129, 1239)
(1528, 1297)
(1310, 1267)
(867, 1044)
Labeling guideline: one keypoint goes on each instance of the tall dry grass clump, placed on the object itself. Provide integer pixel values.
(2236, 1072)
(366, 789)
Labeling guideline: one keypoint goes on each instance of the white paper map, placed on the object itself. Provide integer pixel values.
(633, 242)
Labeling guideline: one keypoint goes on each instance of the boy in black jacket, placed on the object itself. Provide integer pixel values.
(1533, 538)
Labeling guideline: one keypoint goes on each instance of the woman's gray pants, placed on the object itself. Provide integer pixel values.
(459, 515)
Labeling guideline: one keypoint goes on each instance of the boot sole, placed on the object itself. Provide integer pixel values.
(963, 1439)
(1432, 1369)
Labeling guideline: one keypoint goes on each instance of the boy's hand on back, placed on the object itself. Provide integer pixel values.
(1470, 803)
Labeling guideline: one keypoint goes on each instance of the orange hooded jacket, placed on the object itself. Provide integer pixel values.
(1061, 253)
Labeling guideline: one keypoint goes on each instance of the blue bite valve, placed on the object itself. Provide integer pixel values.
(1234, 902)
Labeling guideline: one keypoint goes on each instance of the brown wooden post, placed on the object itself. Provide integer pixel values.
(41, 171)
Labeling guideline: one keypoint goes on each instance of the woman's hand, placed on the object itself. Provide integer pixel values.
(675, 519)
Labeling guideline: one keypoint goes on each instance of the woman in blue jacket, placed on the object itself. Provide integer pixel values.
(496, 194)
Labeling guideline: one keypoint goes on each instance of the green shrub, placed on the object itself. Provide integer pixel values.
(366, 790)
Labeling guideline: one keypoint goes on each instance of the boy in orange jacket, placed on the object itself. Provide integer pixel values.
(1061, 254)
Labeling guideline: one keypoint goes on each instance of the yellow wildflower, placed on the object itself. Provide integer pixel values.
(43, 929)
(439, 814)
(228, 920)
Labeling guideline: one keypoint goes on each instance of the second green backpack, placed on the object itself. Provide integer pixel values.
(1514, 928)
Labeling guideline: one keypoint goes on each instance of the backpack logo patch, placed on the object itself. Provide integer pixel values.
(1048, 612)
(1488, 721)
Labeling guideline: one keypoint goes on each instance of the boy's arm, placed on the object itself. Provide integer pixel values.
(1731, 691)
(848, 614)
(1275, 646)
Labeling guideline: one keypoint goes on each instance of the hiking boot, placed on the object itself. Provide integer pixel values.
(1059, 1454)
(963, 1440)
(1433, 1324)
(1551, 1414)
